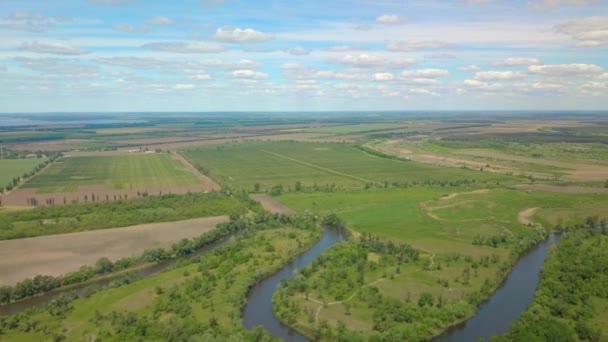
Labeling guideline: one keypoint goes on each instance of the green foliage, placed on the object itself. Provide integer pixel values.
(572, 294)
(100, 215)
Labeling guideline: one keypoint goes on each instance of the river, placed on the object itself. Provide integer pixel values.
(258, 310)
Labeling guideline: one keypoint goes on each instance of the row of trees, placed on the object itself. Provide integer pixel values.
(16, 180)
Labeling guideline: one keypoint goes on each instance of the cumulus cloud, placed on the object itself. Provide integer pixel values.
(547, 4)
(346, 48)
(518, 61)
(160, 21)
(565, 69)
(470, 68)
(298, 51)
(129, 28)
(440, 56)
(587, 32)
(181, 47)
(389, 19)
(411, 45)
(54, 48)
(373, 61)
(30, 22)
(241, 36)
(425, 73)
(58, 66)
(249, 74)
(202, 77)
(498, 75)
(384, 76)
(184, 86)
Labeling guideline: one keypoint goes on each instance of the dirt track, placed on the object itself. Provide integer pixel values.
(272, 205)
(524, 216)
(59, 254)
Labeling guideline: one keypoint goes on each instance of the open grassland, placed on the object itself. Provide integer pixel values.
(320, 164)
(14, 168)
(57, 255)
(427, 219)
(203, 298)
(134, 171)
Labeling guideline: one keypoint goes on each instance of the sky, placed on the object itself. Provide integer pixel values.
(272, 55)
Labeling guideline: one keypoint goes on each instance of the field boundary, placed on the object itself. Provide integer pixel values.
(207, 182)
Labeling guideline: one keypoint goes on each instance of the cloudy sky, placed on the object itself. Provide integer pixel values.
(208, 55)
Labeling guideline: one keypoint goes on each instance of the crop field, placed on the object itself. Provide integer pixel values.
(12, 168)
(437, 221)
(352, 129)
(320, 164)
(136, 171)
(62, 253)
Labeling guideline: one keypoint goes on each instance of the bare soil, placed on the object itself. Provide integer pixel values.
(59, 254)
(272, 205)
(524, 216)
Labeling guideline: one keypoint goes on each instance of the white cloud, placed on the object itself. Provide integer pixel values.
(389, 19)
(111, 2)
(131, 28)
(184, 86)
(384, 76)
(546, 4)
(440, 56)
(498, 75)
(470, 68)
(30, 22)
(202, 77)
(181, 47)
(54, 48)
(346, 48)
(59, 66)
(411, 45)
(298, 51)
(425, 73)
(588, 32)
(160, 21)
(518, 61)
(241, 36)
(565, 69)
(373, 61)
(249, 74)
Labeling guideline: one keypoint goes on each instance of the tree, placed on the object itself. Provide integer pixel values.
(426, 299)
(103, 265)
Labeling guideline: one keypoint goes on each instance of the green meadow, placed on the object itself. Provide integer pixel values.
(11, 168)
(133, 171)
(322, 164)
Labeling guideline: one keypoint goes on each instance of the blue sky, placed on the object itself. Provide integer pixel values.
(271, 55)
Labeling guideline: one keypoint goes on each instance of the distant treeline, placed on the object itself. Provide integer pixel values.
(497, 140)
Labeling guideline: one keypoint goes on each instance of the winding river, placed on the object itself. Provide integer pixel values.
(258, 310)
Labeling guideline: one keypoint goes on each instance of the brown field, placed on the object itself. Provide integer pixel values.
(51, 145)
(19, 197)
(59, 254)
(272, 205)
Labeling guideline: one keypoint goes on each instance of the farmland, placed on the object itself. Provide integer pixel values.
(133, 171)
(59, 254)
(12, 168)
(317, 165)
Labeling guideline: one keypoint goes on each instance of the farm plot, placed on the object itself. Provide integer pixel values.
(11, 168)
(120, 172)
(59, 254)
(269, 164)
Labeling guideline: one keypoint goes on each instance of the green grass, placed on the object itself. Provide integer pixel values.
(10, 168)
(407, 215)
(274, 163)
(135, 171)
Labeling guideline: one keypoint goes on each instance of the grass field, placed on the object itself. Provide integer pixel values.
(134, 171)
(427, 219)
(274, 163)
(15, 168)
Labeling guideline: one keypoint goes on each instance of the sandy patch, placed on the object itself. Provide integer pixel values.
(272, 205)
(524, 216)
(59, 254)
